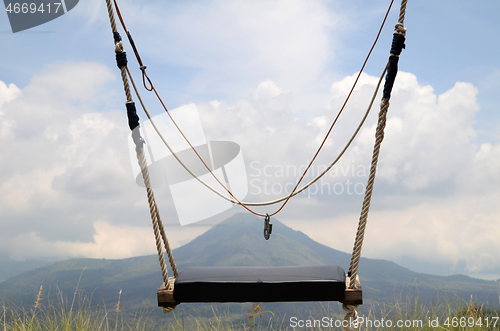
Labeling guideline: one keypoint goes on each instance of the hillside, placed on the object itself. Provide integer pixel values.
(238, 241)
(10, 268)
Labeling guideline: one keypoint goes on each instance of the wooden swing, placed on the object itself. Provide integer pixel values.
(260, 284)
(257, 284)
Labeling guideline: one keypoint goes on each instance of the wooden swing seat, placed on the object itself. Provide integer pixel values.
(260, 284)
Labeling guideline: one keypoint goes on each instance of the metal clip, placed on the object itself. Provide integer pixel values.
(268, 227)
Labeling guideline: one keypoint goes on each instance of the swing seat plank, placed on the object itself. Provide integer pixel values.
(259, 284)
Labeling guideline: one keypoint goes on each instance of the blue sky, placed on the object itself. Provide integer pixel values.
(268, 75)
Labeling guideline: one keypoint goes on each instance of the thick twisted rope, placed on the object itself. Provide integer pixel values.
(111, 15)
(352, 314)
(402, 12)
(160, 223)
(379, 136)
(351, 318)
(397, 46)
(167, 246)
(153, 209)
(158, 228)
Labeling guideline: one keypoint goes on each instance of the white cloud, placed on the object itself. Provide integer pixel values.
(55, 132)
(66, 183)
(220, 42)
(109, 241)
(65, 178)
(441, 231)
(7, 94)
(481, 176)
(68, 187)
(421, 129)
(436, 194)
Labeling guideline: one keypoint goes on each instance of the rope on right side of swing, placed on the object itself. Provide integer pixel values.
(392, 69)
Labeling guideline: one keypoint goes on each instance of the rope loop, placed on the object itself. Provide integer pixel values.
(144, 77)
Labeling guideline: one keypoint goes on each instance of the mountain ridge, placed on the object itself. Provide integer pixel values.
(237, 241)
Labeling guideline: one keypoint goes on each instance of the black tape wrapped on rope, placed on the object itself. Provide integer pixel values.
(133, 118)
(133, 124)
(121, 57)
(117, 37)
(398, 43)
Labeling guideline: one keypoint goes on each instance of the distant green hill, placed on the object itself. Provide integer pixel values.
(10, 268)
(238, 241)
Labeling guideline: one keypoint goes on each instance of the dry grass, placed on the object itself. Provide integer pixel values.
(411, 315)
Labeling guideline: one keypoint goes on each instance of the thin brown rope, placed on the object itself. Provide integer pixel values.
(152, 88)
(265, 203)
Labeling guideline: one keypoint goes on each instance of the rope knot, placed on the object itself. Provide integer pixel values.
(119, 47)
(351, 318)
(400, 28)
(142, 68)
(121, 55)
(167, 310)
